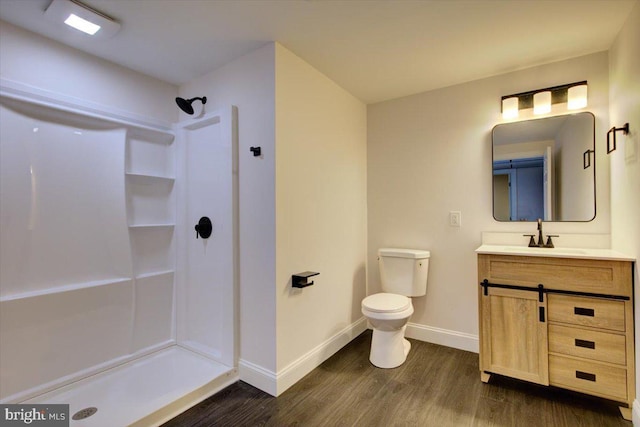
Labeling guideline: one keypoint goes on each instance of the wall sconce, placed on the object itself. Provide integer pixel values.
(574, 95)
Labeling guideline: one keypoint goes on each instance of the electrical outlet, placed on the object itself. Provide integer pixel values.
(455, 218)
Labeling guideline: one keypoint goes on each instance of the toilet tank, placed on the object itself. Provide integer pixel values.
(404, 271)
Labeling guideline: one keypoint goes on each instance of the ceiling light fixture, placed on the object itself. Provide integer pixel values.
(540, 101)
(82, 24)
(82, 17)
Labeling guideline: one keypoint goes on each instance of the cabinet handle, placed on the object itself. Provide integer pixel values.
(581, 311)
(585, 376)
(541, 313)
(585, 344)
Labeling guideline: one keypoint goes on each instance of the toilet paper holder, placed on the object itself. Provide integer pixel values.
(301, 280)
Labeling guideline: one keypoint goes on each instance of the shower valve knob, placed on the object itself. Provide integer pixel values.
(204, 228)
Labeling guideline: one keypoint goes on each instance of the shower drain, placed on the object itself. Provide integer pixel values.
(84, 413)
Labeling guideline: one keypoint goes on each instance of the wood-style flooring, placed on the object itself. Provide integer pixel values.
(437, 386)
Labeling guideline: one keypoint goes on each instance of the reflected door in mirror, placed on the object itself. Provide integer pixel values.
(519, 189)
(538, 169)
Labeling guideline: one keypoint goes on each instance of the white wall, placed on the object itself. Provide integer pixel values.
(249, 83)
(429, 154)
(624, 98)
(320, 211)
(34, 60)
(302, 207)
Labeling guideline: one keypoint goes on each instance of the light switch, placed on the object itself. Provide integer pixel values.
(455, 218)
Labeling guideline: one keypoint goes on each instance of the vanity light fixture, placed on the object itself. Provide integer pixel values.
(82, 18)
(577, 97)
(540, 101)
(510, 108)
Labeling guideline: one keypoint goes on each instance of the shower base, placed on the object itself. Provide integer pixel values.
(144, 392)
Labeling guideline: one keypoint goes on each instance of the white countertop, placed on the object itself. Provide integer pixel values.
(585, 253)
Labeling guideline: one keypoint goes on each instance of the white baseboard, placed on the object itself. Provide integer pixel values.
(455, 339)
(258, 377)
(276, 383)
(311, 360)
(635, 413)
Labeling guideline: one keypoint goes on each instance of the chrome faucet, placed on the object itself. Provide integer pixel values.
(541, 243)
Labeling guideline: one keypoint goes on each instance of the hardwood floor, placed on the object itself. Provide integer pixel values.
(437, 386)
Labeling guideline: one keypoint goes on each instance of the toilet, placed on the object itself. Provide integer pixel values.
(403, 273)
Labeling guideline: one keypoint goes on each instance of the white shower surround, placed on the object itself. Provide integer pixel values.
(63, 322)
(207, 269)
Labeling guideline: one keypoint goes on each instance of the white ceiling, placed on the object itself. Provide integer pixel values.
(376, 49)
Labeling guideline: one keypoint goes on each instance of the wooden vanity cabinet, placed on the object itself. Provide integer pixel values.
(517, 344)
(559, 321)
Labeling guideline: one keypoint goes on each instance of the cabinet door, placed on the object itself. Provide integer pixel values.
(514, 334)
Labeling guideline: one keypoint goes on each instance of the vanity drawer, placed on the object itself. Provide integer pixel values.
(585, 311)
(603, 346)
(588, 377)
(567, 274)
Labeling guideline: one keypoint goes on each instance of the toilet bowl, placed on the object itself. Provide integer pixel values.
(403, 274)
(388, 315)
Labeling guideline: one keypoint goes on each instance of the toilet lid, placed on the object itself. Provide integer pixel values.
(386, 303)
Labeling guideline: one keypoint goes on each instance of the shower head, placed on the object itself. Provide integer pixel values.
(185, 104)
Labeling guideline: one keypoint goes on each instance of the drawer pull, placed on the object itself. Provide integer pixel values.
(585, 344)
(585, 376)
(581, 311)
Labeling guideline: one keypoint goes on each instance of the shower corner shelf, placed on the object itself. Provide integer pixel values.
(154, 274)
(148, 178)
(141, 226)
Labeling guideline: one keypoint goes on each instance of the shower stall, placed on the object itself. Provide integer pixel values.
(108, 298)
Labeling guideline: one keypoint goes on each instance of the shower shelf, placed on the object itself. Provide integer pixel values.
(148, 178)
(140, 226)
(67, 288)
(154, 274)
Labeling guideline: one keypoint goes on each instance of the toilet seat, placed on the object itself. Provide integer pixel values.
(386, 303)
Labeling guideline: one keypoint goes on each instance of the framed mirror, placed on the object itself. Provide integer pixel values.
(545, 168)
